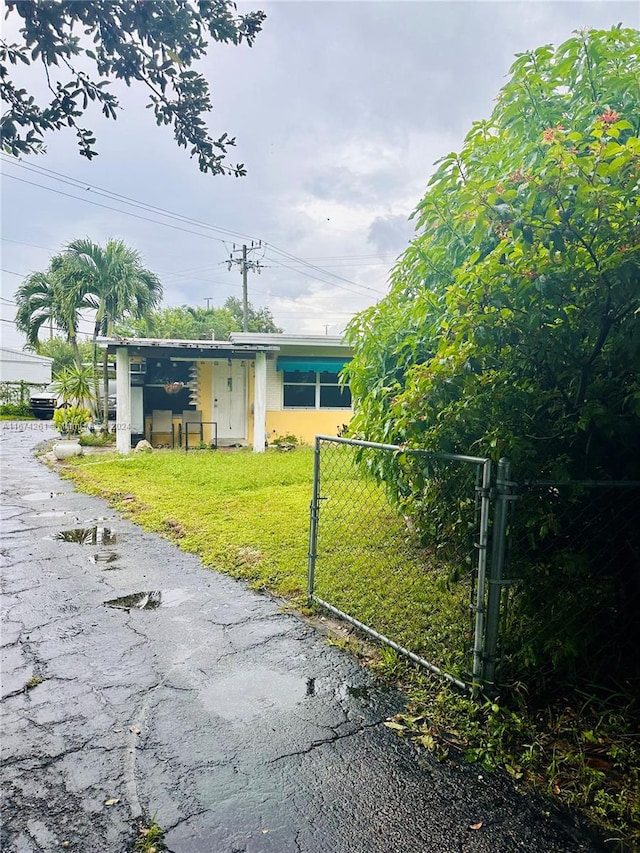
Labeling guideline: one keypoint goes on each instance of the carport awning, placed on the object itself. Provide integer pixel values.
(306, 363)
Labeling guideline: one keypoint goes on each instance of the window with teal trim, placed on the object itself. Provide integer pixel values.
(312, 390)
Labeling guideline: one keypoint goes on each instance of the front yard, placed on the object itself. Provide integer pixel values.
(247, 515)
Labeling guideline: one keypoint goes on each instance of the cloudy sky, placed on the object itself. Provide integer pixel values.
(340, 110)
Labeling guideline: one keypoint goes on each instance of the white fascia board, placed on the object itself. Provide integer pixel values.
(282, 339)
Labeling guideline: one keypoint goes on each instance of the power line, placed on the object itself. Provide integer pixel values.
(163, 212)
(323, 280)
(116, 209)
(21, 243)
(78, 184)
(292, 257)
(358, 264)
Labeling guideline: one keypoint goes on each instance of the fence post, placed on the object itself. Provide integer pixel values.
(496, 568)
(483, 538)
(314, 510)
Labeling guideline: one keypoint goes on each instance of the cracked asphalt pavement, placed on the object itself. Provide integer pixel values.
(206, 705)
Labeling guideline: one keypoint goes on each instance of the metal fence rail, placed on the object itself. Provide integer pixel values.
(366, 552)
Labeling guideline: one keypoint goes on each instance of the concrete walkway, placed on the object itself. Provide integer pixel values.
(234, 723)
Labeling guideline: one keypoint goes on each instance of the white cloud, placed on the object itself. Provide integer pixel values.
(340, 110)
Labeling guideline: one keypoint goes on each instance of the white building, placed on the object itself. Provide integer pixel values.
(22, 366)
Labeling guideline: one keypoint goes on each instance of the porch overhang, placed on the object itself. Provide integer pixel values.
(177, 351)
(194, 350)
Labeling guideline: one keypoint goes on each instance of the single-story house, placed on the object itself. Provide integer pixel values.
(24, 366)
(248, 390)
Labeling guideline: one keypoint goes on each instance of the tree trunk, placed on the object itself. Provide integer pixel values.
(73, 340)
(96, 381)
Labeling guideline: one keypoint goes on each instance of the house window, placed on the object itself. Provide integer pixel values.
(312, 390)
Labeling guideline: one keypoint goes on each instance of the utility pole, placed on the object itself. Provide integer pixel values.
(245, 295)
(241, 256)
(208, 300)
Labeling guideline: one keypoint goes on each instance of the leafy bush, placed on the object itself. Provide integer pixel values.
(288, 440)
(104, 439)
(511, 327)
(71, 420)
(16, 410)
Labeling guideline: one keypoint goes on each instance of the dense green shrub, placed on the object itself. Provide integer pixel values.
(16, 410)
(511, 326)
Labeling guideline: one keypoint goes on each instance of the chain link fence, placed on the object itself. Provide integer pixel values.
(404, 573)
(571, 586)
(488, 582)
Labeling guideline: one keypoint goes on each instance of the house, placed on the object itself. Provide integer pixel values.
(248, 390)
(23, 366)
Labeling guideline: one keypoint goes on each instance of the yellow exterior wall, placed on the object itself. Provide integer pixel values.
(306, 424)
(205, 401)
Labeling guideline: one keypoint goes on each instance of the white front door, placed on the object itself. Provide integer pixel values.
(230, 400)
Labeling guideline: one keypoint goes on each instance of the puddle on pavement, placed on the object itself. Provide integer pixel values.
(361, 692)
(251, 693)
(137, 601)
(41, 496)
(95, 535)
(104, 557)
(149, 600)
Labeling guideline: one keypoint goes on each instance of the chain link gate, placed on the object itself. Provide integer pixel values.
(368, 550)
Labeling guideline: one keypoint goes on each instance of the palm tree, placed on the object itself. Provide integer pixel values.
(121, 287)
(50, 298)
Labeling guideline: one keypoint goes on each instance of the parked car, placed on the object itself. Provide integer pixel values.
(44, 403)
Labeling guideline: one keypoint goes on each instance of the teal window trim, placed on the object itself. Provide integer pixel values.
(312, 386)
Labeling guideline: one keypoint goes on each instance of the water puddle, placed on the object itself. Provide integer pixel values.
(137, 601)
(95, 535)
(149, 600)
(104, 557)
(251, 693)
(361, 692)
(41, 496)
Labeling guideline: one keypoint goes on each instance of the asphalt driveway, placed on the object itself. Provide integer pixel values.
(136, 683)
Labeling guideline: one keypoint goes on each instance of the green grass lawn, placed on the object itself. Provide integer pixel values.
(247, 514)
(243, 513)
